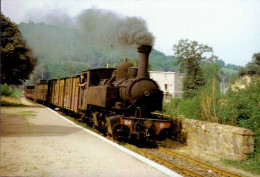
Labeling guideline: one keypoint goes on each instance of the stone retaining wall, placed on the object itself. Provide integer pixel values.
(221, 140)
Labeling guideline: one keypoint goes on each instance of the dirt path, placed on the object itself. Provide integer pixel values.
(36, 142)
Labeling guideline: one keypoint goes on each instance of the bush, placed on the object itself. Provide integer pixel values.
(242, 108)
(171, 108)
(190, 108)
(6, 91)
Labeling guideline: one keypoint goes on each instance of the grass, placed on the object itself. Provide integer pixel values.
(10, 101)
(252, 165)
(230, 71)
(28, 113)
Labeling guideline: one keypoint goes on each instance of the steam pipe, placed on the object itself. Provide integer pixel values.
(144, 51)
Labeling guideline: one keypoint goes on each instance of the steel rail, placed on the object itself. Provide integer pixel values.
(167, 163)
(172, 165)
(161, 160)
(224, 172)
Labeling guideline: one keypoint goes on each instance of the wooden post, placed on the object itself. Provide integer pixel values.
(70, 70)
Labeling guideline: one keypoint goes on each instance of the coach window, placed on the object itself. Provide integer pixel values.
(83, 80)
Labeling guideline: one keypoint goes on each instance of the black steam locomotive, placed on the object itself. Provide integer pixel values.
(117, 101)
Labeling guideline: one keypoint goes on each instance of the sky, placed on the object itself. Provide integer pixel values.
(230, 27)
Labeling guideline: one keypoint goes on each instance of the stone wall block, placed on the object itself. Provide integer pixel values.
(221, 140)
(248, 149)
(247, 140)
(242, 131)
(236, 144)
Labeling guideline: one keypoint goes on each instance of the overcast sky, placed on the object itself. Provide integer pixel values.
(231, 27)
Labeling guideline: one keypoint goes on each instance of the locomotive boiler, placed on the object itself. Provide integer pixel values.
(117, 101)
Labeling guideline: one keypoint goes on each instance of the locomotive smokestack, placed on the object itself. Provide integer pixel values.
(144, 51)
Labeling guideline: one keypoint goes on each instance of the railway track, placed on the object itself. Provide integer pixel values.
(179, 163)
(218, 171)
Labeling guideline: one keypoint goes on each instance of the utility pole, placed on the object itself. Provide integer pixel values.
(42, 72)
(69, 52)
(70, 69)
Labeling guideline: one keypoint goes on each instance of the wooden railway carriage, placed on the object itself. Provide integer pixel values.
(65, 93)
(118, 101)
(29, 92)
(41, 91)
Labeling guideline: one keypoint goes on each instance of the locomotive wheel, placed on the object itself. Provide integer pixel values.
(121, 133)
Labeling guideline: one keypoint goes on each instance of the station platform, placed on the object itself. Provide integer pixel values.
(37, 141)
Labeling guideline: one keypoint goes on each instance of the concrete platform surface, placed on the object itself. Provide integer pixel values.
(37, 142)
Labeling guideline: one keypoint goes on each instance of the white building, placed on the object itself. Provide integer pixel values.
(169, 82)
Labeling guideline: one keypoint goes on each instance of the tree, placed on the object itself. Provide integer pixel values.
(17, 61)
(40, 73)
(251, 68)
(256, 61)
(221, 63)
(189, 55)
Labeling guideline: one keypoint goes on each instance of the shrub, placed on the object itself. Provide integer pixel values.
(241, 108)
(171, 108)
(6, 91)
(190, 108)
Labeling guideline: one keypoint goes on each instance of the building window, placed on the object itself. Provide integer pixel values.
(165, 76)
(165, 86)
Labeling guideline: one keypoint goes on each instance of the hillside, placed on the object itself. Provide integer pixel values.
(57, 46)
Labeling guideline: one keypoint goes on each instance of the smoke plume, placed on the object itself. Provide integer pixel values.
(109, 28)
(94, 38)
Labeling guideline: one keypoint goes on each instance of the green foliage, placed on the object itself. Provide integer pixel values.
(251, 68)
(6, 91)
(220, 63)
(160, 62)
(242, 108)
(229, 71)
(252, 165)
(210, 70)
(190, 54)
(190, 108)
(171, 108)
(193, 80)
(232, 66)
(17, 61)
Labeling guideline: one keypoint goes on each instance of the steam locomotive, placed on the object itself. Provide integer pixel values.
(119, 102)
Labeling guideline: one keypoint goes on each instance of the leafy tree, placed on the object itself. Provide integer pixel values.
(221, 63)
(232, 66)
(256, 58)
(189, 56)
(256, 61)
(17, 61)
(251, 68)
(40, 73)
